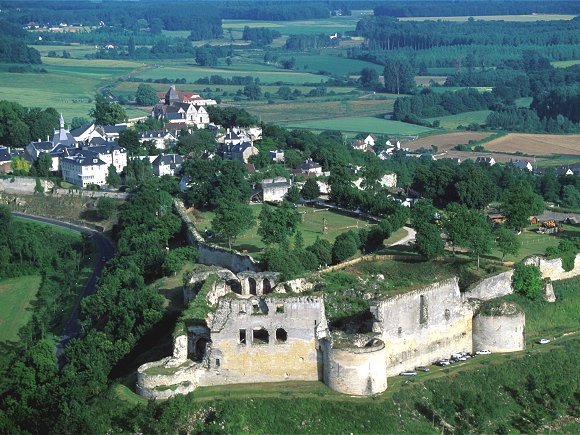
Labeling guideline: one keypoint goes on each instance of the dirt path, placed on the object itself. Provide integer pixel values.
(410, 237)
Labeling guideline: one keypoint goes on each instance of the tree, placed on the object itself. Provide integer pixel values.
(428, 241)
(106, 207)
(146, 95)
(293, 194)
(253, 91)
(507, 242)
(479, 240)
(113, 179)
(129, 139)
(399, 76)
(369, 78)
(107, 113)
(232, 218)
(278, 224)
(477, 188)
(44, 165)
(310, 190)
(570, 197)
(454, 224)
(38, 187)
(527, 281)
(176, 258)
(323, 251)
(345, 246)
(78, 121)
(19, 166)
(519, 202)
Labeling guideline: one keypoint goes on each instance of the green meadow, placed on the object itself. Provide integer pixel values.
(16, 296)
(69, 85)
(451, 122)
(333, 64)
(364, 124)
(565, 63)
(310, 227)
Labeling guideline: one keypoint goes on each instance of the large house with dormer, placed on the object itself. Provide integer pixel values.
(84, 168)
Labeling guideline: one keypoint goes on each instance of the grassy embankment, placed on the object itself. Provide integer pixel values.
(16, 298)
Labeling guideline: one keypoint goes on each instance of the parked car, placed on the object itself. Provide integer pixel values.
(543, 341)
(483, 352)
(422, 368)
(443, 362)
(408, 373)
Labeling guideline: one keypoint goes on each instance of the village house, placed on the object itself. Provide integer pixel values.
(242, 152)
(174, 96)
(160, 139)
(167, 164)
(6, 156)
(87, 132)
(61, 141)
(277, 156)
(359, 145)
(110, 153)
(311, 167)
(111, 132)
(274, 190)
(524, 165)
(370, 140)
(84, 168)
(485, 160)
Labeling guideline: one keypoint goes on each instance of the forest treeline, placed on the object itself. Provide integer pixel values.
(12, 46)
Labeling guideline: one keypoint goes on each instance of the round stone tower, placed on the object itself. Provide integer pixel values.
(499, 326)
(355, 365)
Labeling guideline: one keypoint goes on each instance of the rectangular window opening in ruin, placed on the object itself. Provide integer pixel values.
(422, 310)
(256, 308)
(279, 308)
(217, 362)
(242, 309)
(242, 336)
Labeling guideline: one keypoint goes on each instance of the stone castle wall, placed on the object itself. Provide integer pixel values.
(552, 268)
(213, 255)
(491, 287)
(239, 353)
(423, 325)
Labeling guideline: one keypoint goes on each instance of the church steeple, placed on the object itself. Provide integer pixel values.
(62, 133)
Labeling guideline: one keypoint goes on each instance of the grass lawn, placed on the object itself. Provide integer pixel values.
(311, 227)
(442, 89)
(451, 122)
(16, 295)
(308, 27)
(524, 101)
(364, 124)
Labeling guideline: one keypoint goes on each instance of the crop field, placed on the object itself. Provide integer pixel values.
(537, 144)
(363, 124)
(426, 80)
(530, 17)
(334, 64)
(69, 85)
(16, 295)
(307, 27)
(194, 73)
(446, 141)
(77, 51)
(443, 89)
(293, 111)
(310, 227)
(451, 122)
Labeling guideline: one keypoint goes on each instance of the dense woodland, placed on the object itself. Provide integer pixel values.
(12, 46)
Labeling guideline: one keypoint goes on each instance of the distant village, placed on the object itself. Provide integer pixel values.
(85, 155)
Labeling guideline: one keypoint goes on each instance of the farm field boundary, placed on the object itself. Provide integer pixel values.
(536, 144)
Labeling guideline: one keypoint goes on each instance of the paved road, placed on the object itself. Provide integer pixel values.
(408, 239)
(105, 251)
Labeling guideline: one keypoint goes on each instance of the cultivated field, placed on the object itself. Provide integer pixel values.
(530, 17)
(69, 85)
(451, 122)
(537, 144)
(334, 64)
(16, 295)
(446, 141)
(310, 227)
(565, 63)
(293, 111)
(426, 80)
(363, 124)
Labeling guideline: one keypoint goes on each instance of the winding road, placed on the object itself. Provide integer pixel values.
(105, 251)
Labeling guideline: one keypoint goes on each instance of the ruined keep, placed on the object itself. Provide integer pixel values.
(256, 329)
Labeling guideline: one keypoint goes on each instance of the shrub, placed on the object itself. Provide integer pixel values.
(527, 281)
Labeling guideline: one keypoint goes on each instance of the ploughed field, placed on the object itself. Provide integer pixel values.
(447, 141)
(537, 144)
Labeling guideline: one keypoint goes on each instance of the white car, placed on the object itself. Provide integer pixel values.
(483, 352)
(408, 374)
(543, 341)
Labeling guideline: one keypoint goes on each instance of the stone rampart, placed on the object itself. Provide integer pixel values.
(491, 287)
(423, 325)
(159, 380)
(552, 268)
(214, 255)
(356, 370)
(23, 185)
(500, 330)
